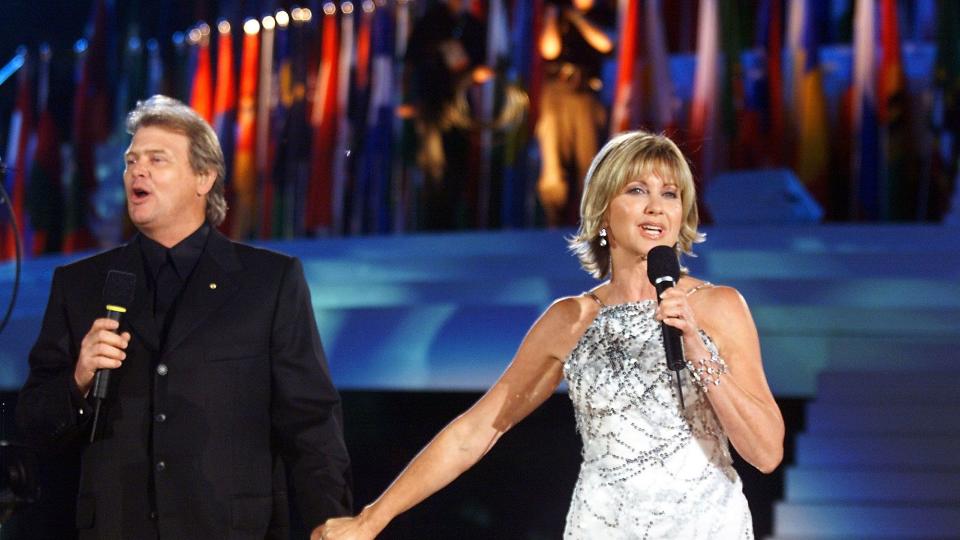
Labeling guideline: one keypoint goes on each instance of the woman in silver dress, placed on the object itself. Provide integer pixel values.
(654, 466)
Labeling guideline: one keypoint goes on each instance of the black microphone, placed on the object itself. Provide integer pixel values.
(663, 271)
(117, 295)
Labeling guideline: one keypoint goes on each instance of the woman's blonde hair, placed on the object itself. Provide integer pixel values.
(626, 157)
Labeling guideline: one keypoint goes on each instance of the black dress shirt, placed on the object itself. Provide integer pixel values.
(167, 272)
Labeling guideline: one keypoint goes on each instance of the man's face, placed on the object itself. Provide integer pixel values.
(165, 197)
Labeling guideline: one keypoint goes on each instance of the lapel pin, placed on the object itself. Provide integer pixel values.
(213, 285)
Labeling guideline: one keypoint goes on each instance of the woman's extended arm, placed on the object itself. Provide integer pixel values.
(531, 378)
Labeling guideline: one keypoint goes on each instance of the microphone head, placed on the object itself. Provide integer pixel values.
(119, 287)
(662, 262)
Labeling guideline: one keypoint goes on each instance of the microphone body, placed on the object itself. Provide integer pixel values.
(117, 294)
(672, 340)
(663, 270)
(101, 381)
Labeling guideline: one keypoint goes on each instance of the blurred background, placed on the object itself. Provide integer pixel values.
(425, 160)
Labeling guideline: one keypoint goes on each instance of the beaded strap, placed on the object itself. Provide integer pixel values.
(707, 371)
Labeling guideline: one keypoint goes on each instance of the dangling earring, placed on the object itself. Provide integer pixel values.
(603, 237)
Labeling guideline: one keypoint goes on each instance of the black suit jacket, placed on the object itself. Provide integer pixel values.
(196, 435)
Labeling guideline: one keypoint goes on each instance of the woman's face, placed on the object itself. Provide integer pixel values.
(645, 213)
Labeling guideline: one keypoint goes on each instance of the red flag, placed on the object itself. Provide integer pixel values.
(201, 91)
(704, 108)
(324, 122)
(626, 64)
(244, 169)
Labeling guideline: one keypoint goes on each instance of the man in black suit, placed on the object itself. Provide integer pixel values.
(219, 387)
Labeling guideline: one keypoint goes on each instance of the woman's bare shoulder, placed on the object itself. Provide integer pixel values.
(564, 321)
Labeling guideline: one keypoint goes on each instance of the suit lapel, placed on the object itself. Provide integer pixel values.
(212, 283)
(140, 312)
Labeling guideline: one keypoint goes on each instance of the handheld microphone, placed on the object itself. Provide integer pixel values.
(663, 271)
(117, 295)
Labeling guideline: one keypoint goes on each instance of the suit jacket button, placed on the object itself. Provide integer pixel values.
(162, 370)
(160, 418)
(161, 466)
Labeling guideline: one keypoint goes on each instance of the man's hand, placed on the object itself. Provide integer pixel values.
(101, 348)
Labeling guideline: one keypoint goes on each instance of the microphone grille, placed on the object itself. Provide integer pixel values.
(662, 261)
(119, 287)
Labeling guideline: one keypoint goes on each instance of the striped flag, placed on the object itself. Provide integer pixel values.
(244, 161)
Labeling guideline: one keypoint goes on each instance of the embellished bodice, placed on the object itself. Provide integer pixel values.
(649, 467)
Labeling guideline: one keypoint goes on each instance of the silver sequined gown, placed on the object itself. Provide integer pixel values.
(648, 471)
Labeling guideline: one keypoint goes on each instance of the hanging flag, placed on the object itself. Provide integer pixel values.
(201, 88)
(345, 64)
(282, 96)
(293, 152)
(662, 94)
(866, 153)
(813, 151)
(17, 161)
(898, 174)
(624, 92)
(764, 129)
(704, 108)
(91, 127)
(266, 102)
(44, 193)
(371, 198)
(490, 179)
(362, 78)
(225, 96)
(517, 139)
(406, 176)
(324, 123)
(937, 192)
(244, 164)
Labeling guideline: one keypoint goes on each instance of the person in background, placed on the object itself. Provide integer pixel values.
(444, 56)
(574, 43)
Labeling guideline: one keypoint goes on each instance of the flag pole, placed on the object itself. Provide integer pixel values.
(13, 65)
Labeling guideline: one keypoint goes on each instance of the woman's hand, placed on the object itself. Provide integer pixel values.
(675, 311)
(344, 528)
